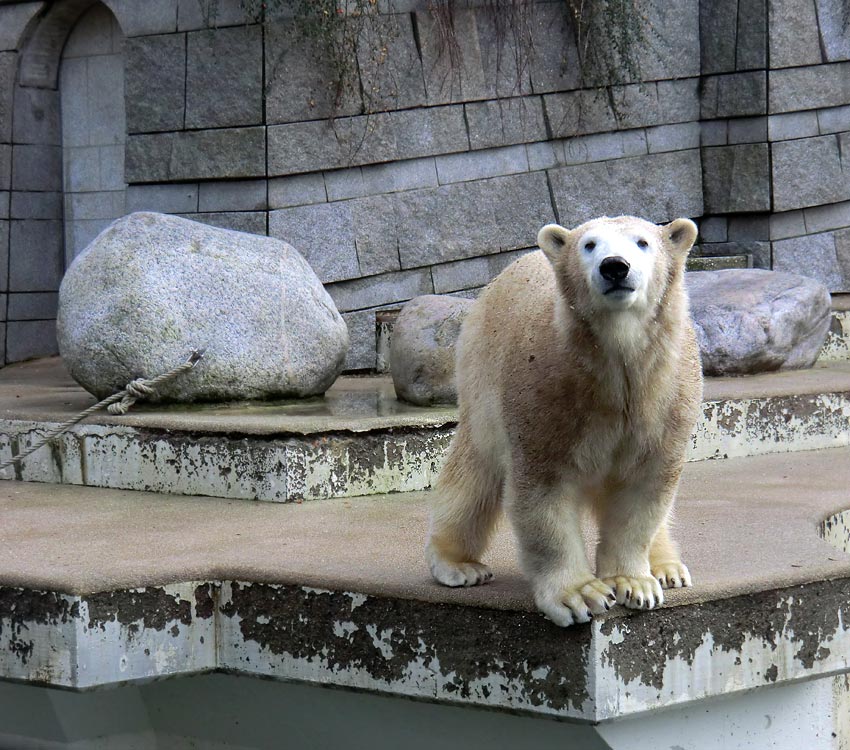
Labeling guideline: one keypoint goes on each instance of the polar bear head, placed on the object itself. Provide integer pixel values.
(617, 264)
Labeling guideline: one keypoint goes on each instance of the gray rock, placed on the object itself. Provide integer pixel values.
(750, 321)
(422, 354)
(151, 288)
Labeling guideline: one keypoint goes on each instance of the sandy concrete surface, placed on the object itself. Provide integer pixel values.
(744, 525)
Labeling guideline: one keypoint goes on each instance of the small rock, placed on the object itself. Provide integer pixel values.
(151, 288)
(750, 321)
(422, 353)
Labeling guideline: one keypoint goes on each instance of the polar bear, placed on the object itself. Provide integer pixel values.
(579, 383)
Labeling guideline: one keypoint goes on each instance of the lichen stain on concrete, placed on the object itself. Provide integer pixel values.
(809, 615)
(518, 652)
(154, 607)
(205, 600)
(20, 608)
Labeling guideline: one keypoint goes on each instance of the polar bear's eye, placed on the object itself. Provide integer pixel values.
(589, 245)
(642, 244)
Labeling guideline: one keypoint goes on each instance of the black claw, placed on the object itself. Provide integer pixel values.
(639, 601)
(607, 606)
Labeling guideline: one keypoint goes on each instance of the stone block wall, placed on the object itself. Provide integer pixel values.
(428, 178)
(436, 180)
(775, 134)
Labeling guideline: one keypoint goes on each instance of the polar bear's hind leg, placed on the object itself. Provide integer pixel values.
(467, 505)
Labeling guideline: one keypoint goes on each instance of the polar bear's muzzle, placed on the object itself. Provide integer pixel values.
(614, 270)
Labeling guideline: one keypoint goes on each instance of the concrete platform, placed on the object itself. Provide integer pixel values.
(358, 440)
(102, 587)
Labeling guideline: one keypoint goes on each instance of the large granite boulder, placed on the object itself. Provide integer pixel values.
(422, 353)
(750, 320)
(151, 288)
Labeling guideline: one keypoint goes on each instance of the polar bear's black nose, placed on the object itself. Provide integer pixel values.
(614, 268)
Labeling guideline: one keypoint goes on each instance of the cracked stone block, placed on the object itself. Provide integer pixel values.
(374, 179)
(300, 82)
(736, 178)
(813, 87)
(808, 172)
(230, 153)
(832, 17)
(734, 95)
(490, 64)
(752, 38)
(324, 233)
(385, 289)
(224, 77)
(468, 219)
(375, 234)
(390, 69)
(793, 37)
(658, 187)
(678, 101)
(718, 31)
(353, 141)
(476, 165)
(815, 256)
(505, 121)
(232, 195)
(473, 273)
(555, 64)
(155, 82)
(298, 190)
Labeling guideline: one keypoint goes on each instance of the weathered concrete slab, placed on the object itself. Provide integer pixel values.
(317, 593)
(358, 440)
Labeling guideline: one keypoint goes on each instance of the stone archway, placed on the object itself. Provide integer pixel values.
(64, 183)
(91, 92)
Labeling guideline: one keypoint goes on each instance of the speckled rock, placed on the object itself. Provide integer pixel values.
(422, 354)
(151, 288)
(750, 320)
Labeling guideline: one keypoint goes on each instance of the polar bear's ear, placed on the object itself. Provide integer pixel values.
(552, 239)
(680, 234)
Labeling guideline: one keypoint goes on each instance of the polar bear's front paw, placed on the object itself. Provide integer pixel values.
(671, 575)
(638, 592)
(568, 605)
(456, 574)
